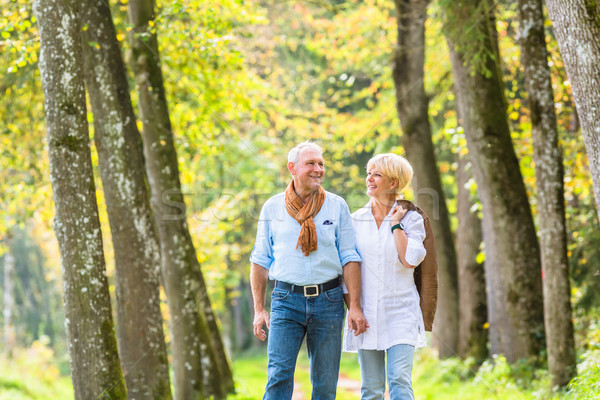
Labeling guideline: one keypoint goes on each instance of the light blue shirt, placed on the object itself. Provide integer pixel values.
(277, 236)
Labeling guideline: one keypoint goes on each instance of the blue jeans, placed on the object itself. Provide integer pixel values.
(399, 369)
(320, 319)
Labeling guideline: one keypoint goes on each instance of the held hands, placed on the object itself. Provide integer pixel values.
(356, 321)
(261, 318)
(398, 212)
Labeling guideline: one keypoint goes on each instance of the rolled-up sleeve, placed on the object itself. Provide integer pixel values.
(414, 228)
(262, 253)
(345, 241)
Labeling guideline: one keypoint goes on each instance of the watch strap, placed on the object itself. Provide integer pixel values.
(398, 226)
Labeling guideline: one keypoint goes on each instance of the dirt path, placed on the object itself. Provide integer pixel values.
(344, 382)
(349, 384)
(298, 392)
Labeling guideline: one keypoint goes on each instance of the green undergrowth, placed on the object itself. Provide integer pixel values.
(448, 379)
(32, 374)
(586, 385)
(250, 374)
(452, 379)
(495, 379)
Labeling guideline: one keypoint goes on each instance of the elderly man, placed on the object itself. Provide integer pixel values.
(305, 243)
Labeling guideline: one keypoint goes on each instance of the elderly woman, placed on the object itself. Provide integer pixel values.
(390, 240)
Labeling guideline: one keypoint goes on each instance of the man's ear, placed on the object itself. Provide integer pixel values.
(291, 168)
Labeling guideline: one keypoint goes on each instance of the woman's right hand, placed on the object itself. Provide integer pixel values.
(398, 212)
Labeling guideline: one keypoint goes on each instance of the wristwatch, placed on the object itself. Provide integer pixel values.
(399, 225)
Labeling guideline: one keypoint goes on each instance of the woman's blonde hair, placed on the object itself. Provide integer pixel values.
(394, 167)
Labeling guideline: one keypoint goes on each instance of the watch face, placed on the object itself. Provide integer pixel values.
(401, 225)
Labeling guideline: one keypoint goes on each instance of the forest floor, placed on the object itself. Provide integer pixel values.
(36, 373)
(345, 384)
(434, 379)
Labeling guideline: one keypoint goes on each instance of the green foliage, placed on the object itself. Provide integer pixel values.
(18, 37)
(33, 375)
(448, 379)
(584, 252)
(495, 378)
(468, 27)
(24, 183)
(36, 292)
(586, 386)
(250, 376)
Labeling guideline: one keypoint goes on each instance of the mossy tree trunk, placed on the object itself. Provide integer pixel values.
(412, 105)
(91, 342)
(512, 266)
(550, 194)
(137, 259)
(200, 363)
(9, 298)
(576, 25)
(473, 335)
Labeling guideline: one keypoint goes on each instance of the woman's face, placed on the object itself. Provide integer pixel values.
(378, 184)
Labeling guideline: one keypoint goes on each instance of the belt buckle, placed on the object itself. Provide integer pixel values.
(316, 287)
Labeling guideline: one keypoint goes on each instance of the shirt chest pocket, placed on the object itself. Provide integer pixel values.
(326, 235)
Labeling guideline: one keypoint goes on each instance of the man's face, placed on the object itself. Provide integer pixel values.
(309, 170)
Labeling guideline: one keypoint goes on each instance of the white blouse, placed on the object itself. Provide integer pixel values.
(389, 299)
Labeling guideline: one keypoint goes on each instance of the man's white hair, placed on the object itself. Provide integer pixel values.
(293, 154)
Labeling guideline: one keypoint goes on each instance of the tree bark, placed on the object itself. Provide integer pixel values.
(199, 357)
(473, 335)
(91, 342)
(512, 267)
(137, 258)
(412, 105)
(576, 25)
(9, 300)
(550, 194)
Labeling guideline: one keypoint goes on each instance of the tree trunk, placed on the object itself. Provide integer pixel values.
(199, 356)
(137, 258)
(512, 267)
(576, 25)
(550, 194)
(473, 335)
(412, 104)
(238, 330)
(9, 300)
(91, 341)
